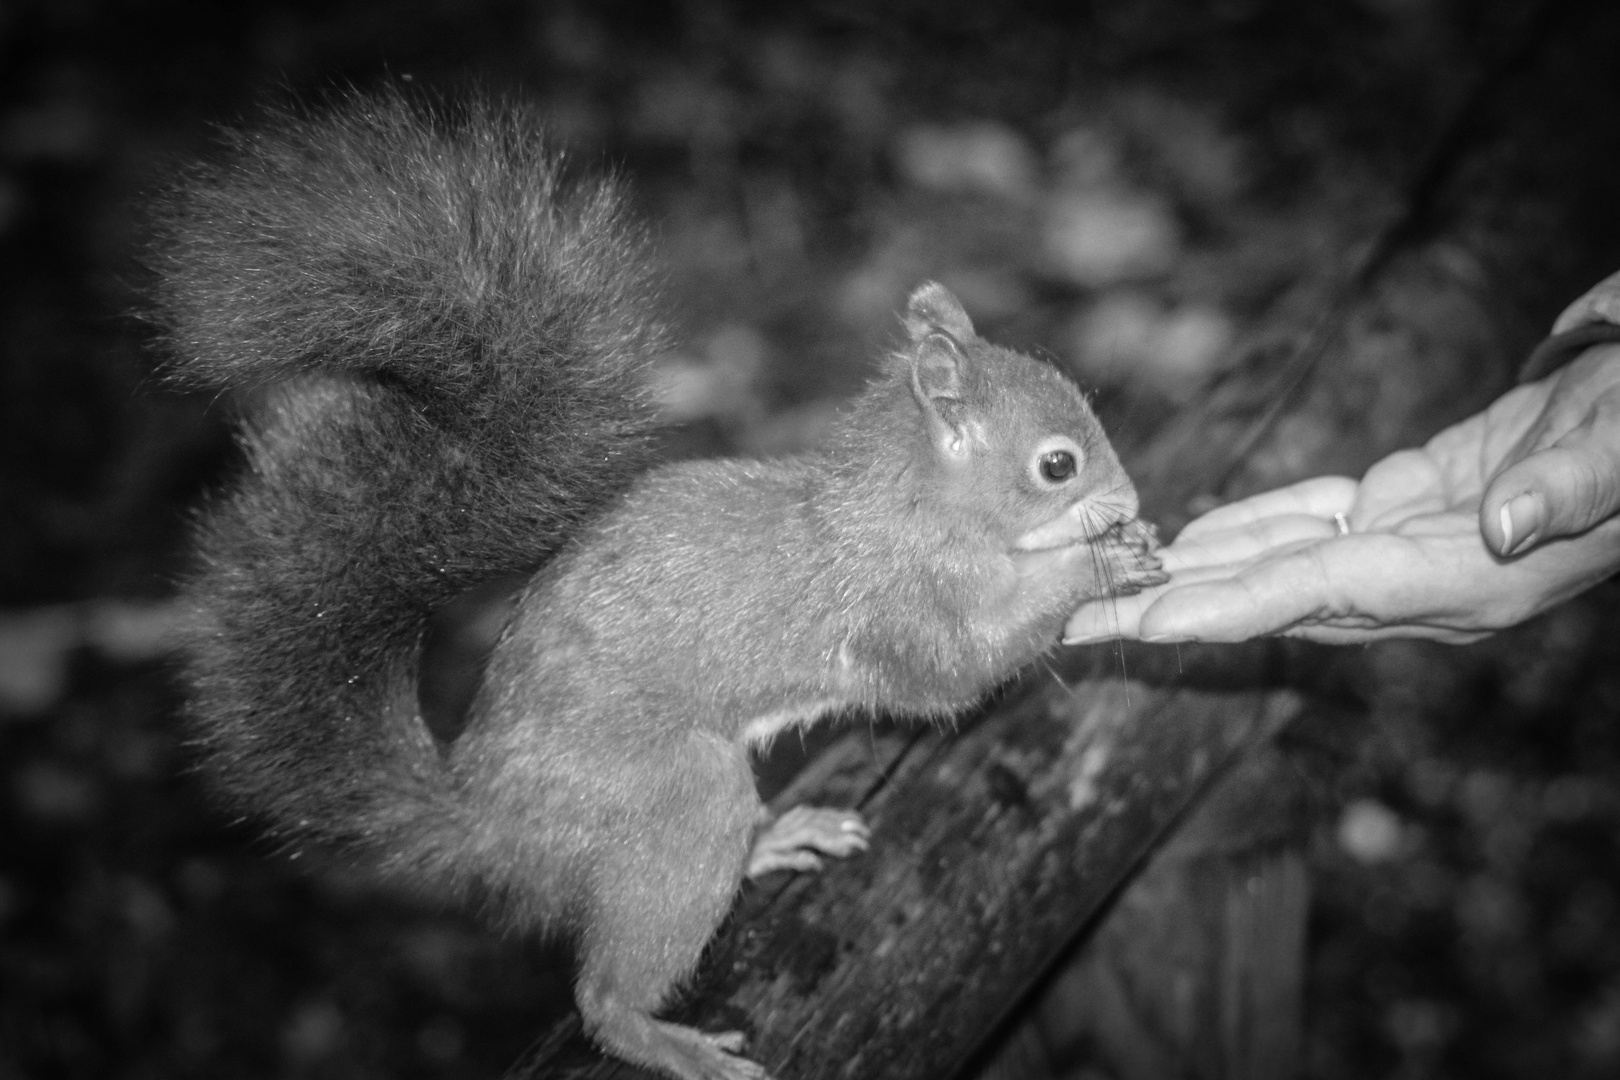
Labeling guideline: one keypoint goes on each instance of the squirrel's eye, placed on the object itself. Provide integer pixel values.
(1057, 466)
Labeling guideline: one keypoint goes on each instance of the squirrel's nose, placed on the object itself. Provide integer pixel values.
(1109, 508)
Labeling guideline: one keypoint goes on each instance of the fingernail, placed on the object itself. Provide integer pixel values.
(1521, 521)
(1087, 639)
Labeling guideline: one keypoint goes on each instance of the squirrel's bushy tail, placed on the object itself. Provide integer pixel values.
(447, 342)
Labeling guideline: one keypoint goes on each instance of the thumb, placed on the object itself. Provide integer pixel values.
(1559, 491)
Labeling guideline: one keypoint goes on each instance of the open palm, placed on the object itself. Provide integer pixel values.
(1535, 476)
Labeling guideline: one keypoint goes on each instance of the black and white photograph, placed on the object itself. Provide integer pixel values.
(726, 540)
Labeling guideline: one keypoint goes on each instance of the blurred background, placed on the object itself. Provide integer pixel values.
(1123, 187)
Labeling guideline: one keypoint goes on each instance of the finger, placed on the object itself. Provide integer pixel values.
(1600, 304)
(1243, 542)
(1109, 618)
(1335, 634)
(1562, 490)
(1258, 603)
(1320, 496)
(1354, 582)
(1401, 484)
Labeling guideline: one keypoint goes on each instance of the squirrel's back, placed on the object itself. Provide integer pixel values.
(447, 341)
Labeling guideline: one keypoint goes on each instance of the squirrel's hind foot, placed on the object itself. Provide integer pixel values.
(682, 1052)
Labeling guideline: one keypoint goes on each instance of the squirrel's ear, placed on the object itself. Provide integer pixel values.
(938, 328)
(936, 383)
(933, 308)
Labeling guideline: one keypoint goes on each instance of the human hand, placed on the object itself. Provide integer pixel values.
(1494, 520)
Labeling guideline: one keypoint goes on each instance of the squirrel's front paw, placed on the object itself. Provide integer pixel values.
(1129, 555)
(1147, 573)
(798, 839)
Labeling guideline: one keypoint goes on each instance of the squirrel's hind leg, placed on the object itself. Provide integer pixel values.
(663, 887)
(635, 950)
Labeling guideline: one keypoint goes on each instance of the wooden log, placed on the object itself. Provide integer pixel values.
(1197, 970)
(992, 846)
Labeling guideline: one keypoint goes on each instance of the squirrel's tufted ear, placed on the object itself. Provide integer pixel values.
(936, 369)
(933, 308)
(940, 331)
(937, 361)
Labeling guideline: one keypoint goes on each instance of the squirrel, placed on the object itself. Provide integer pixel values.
(442, 339)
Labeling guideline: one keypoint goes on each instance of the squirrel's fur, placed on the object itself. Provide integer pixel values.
(451, 344)
(451, 340)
